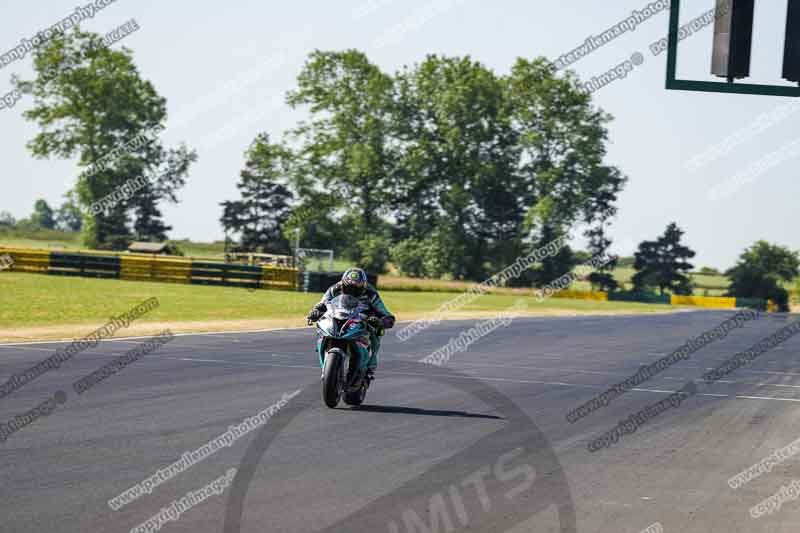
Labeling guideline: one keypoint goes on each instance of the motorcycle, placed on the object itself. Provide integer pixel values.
(344, 348)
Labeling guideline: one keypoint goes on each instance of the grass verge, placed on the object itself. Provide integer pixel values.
(41, 307)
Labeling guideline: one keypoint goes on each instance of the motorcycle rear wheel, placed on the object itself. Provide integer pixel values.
(357, 397)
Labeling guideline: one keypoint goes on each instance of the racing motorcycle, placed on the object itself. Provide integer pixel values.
(344, 348)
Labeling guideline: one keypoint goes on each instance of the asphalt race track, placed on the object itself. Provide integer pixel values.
(434, 449)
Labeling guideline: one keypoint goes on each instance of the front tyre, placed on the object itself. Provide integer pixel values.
(331, 378)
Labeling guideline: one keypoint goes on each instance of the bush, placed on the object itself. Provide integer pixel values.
(626, 262)
(432, 257)
(409, 258)
(760, 271)
(373, 253)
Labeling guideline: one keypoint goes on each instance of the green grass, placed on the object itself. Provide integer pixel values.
(33, 300)
(705, 284)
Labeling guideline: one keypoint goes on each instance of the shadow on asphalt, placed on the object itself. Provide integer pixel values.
(415, 411)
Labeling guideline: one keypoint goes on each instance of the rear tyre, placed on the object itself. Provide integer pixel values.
(331, 378)
(357, 397)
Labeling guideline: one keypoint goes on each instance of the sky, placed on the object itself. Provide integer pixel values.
(721, 166)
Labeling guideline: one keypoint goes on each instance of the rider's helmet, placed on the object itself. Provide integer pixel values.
(354, 281)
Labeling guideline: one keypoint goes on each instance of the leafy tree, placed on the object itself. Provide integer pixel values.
(312, 222)
(456, 168)
(473, 169)
(374, 251)
(626, 262)
(663, 263)
(760, 271)
(264, 207)
(344, 145)
(552, 267)
(599, 243)
(69, 217)
(562, 141)
(7, 219)
(43, 216)
(409, 257)
(91, 100)
(709, 271)
(149, 226)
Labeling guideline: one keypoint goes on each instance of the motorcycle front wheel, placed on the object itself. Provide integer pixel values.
(331, 378)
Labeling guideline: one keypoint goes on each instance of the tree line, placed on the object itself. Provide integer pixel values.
(442, 168)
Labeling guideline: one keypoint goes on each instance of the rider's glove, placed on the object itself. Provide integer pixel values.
(375, 322)
(314, 315)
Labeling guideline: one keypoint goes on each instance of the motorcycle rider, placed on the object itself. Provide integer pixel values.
(354, 283)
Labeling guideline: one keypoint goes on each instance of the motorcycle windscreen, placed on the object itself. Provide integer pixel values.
(344, 306)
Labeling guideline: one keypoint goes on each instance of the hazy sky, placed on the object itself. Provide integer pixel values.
(224, 68)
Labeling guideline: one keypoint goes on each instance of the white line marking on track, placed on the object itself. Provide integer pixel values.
(34, 349)
(506, 380)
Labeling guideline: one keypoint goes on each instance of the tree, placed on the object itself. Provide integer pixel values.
(42, 216)
(263, 210)
(149, 227)
(374, 253)
(562, 141)
(455, 175)
(69, 217)
(662, 263)
(473, 168)
(344, 146)
(599, 243)
(626, 262)
(311, 222)
(91, 101)
(7, 219)
(760, 271)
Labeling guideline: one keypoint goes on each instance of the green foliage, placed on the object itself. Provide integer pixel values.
(7, 219)
(599, 243)
(428, 257)
(312, 222)
(373, 253)
(263, 210)
(760, 271)
(43, 215)
(626, 262)
(710, 271)
(89, 101)
(69, 217)
(603, 281)
(173, 249)
(663, 263)
(409, 257)
(345, 145)
(149, 227)
(473, 169)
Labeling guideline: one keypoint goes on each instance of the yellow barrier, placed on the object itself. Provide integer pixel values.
(148, 268)
(716, 302)
(145, 267)
(582, 295)
(27, 260)
(279, 278)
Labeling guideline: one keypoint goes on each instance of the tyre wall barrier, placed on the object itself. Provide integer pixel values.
(146, 267)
